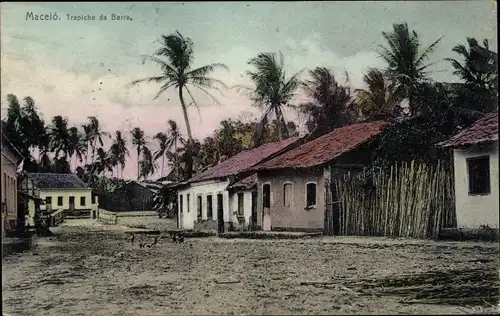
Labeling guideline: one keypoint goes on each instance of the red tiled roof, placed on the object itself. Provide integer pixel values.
(325, 148)
(483, 130)
(243, 161)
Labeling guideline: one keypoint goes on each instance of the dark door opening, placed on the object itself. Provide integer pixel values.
(254, 211)
(220, 214)
(71, 203)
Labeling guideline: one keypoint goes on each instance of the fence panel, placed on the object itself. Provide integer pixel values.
(409, 200)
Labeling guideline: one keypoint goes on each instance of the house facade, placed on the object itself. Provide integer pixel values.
(207, 201)
(291, 188)
(66, 192)
(11, 158)
(475, 161)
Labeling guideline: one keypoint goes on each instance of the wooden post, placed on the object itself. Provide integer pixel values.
(328, 226)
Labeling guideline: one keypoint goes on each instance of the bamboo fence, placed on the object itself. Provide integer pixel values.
(406, 200)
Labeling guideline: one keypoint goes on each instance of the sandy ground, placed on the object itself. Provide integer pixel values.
(91, 269)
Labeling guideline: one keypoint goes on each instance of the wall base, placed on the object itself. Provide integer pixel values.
(299, 229)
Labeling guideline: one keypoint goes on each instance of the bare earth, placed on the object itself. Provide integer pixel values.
(91, 269)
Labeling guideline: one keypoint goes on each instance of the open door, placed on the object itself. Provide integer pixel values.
(220, 214)
(254, 211)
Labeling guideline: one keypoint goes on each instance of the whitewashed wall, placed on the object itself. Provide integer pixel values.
(203, 188)
(66, 193)
(247, 206)
(475, 210)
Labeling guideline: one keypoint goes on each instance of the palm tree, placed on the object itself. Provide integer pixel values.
(175, 140)
(87, 138)
(177, 73)
(405, 59)
(122, 150)
(478, 69)
(76, 145)
(272, 90)
(147, 166)
(330, 107)
(138, 140)
(102, 163)
(96, 134)
(163, 141)
(59, 137)
(380, 100)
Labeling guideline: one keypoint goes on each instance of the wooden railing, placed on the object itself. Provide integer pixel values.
(56, 218)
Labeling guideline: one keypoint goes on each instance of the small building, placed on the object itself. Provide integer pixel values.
(291, 187)
(134, 196)
(475, 160)
(204, 201)
(63, 191)
(29, 198)
(11, 158)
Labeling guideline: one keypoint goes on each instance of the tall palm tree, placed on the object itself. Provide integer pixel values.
(59, 137)
(478, 69)
(102, 162)
(406, 60)
(147, 166)
(177, 72)
(139, 141)
(331, 101)
(272, 90)
(76, 145)
(96, 134)
(87, 138)
(175, 140)
(163, 141)
(380, 100)
(122, 150)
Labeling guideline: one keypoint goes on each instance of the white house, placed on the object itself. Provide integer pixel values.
(63, 191)
(475, 155)
(204, 201)
(11, 157)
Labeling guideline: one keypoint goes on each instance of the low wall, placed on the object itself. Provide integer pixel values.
(205, 226)
(106, 217)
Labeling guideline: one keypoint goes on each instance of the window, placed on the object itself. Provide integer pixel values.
(240, 204)
(82, 201)
(48, 200)
(187, 202)
(310, 194)
(59, 201)
(93, 198)
(266, 195)
(479, 175)
(199, 201)
(287, 194)
(210, 212)
(181, 203)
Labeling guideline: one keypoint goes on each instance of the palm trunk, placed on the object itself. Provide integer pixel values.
(278, 124)
(86, 152)
(190, 136)
(162, 165)
(138, 162)
(93, 150)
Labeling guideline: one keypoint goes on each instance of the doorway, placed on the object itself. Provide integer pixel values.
(71, 203)
(254, 211)
(266, 207)
(220, 214)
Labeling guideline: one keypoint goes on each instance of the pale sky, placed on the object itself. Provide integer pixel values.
(81, 68)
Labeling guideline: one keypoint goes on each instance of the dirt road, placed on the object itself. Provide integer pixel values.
(96, 272)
